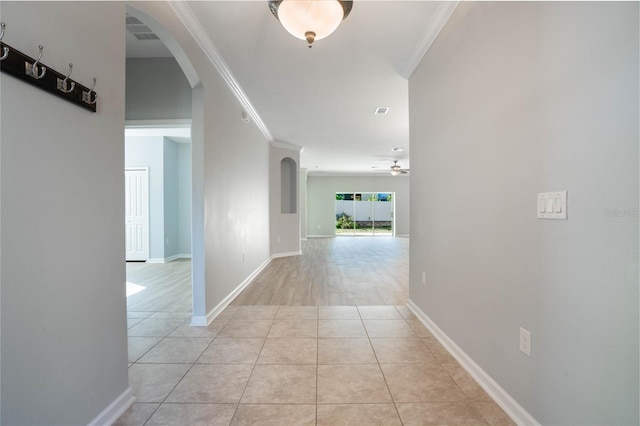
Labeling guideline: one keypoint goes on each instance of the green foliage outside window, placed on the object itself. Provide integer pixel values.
(344, 221)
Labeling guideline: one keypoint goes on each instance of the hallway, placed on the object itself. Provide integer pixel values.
(335, 271)
(263, 363)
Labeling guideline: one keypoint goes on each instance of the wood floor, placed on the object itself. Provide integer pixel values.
(338, 271)
(161, 287)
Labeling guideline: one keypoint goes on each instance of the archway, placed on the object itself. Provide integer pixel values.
(197, 162)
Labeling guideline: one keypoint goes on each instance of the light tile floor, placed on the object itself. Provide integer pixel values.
(299, 365)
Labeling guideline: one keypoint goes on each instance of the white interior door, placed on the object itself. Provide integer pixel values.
(137, 213)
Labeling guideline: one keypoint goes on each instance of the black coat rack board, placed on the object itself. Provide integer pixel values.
(36, 73)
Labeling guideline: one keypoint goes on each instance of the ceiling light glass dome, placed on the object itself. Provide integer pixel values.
(310, 20)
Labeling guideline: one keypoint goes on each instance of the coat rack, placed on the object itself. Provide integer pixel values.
(36, 73)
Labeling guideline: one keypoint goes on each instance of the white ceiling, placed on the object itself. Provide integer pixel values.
(323, 99)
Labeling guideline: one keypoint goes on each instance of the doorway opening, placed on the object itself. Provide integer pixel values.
(158, 216)
(365, 214)
(136, 190)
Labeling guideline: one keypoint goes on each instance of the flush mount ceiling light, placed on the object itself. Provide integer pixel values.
(310, 20)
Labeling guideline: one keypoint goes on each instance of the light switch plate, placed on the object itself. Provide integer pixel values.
(552, 205)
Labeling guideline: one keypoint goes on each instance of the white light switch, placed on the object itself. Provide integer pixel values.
(549, 208)
(557, 205)
(542, 206)
(552, 205)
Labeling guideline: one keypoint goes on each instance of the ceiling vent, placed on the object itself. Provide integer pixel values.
(140, 30)
(381, 110)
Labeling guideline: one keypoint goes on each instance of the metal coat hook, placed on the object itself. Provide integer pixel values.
(5, 50)
(35, 73)
(32, 69)
(62, 84)
(86, 96)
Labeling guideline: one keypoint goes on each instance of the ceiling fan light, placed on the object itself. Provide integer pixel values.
(395, 172)
(310, 19)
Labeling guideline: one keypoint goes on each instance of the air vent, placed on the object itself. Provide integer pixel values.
(146, 36)
(381, 110)
(133, 20)
(140, 30)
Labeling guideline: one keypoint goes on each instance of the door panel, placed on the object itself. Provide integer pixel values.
(137, 214)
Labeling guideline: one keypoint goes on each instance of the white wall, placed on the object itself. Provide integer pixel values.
(321, 196)
(303, 203)
(171, 197)
(284, 227)
(156, 89)
(514, 99)
(236, 189)
(64, 347)
(184, 199)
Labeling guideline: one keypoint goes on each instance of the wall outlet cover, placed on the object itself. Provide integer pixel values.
(525, 342)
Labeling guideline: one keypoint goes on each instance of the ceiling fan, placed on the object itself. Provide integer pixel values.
(396, 170)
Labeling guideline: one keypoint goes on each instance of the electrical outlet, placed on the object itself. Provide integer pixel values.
(277, 239)
(525, 342)
(424, 278)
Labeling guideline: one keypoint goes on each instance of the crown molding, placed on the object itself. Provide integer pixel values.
(285, 145)
(313, 173)
(191, 23)
(440, 17)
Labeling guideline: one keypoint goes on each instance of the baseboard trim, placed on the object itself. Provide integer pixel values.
(320, 236)
(199, 321)
(112, 413)
(203, 321)
(292, 253)
(510, 406)
(168, 259)
(402, 236)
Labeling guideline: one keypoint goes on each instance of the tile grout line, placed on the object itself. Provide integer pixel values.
(253, 367)
(177, 383)
(317, 358)
(395, 405)
(438, 361)
(184, 375)
(148, 350)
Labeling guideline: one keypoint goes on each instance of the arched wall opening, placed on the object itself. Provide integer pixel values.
(288, 186)
(197, 158)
